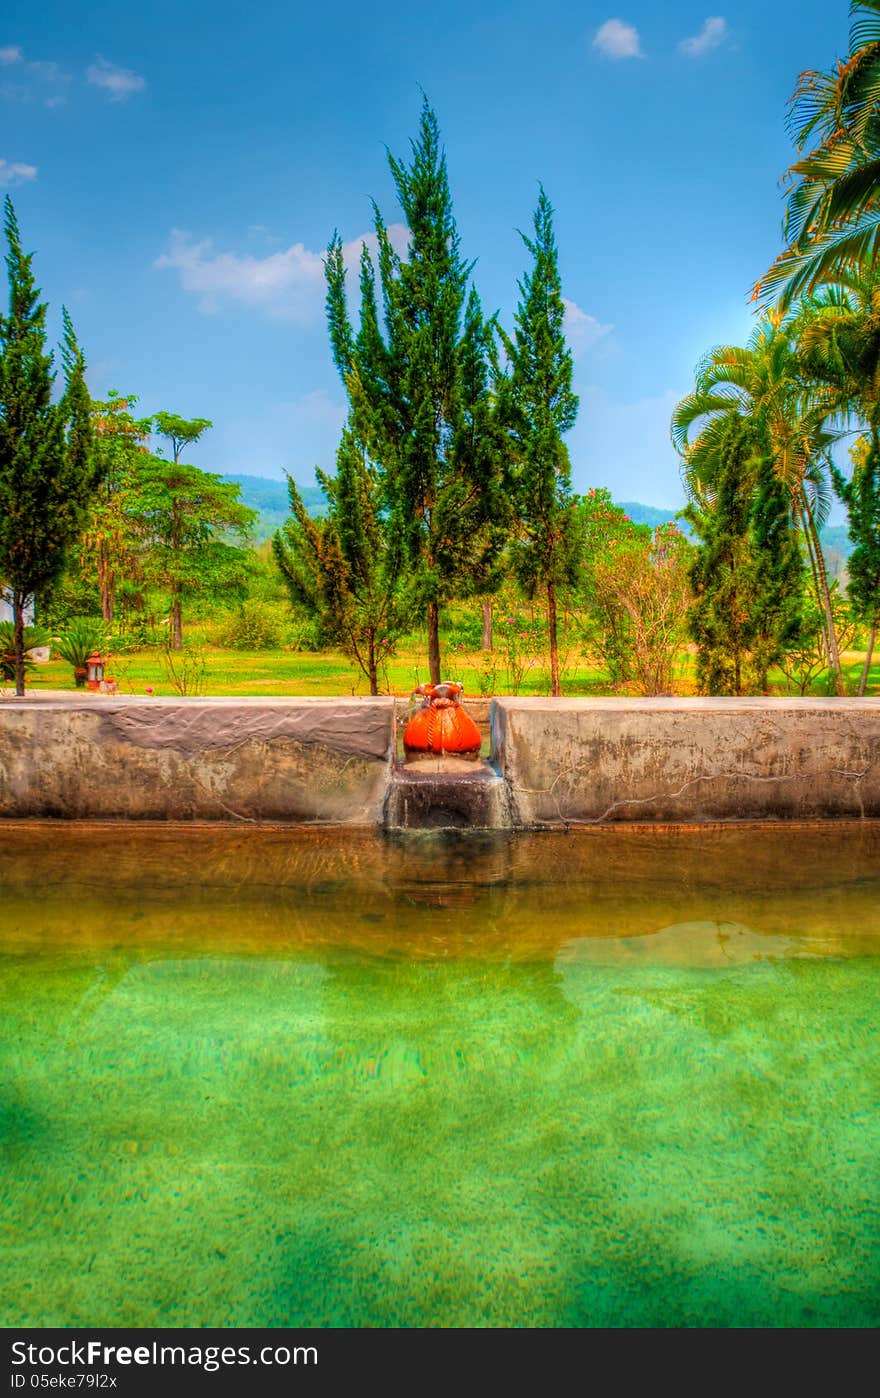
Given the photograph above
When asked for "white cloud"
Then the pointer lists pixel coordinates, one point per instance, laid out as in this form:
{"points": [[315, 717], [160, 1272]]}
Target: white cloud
{"points": [[16, 172], [713, 33], [617, 39], [32, 81], [398, 235], [120, 83], [582, 330], [288, 285]]}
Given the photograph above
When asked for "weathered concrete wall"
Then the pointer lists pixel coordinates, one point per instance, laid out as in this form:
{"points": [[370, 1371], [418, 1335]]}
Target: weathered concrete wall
{"points": [[590, 761], [324, 761], [330, 761]]}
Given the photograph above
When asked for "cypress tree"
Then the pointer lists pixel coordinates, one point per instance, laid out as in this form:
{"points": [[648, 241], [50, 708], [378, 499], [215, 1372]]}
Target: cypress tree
{"points": [[778, 568], [345, 569], [539, 407], [48, 471], [722, 574], [419, 389], [861, 495], [748, 571]]}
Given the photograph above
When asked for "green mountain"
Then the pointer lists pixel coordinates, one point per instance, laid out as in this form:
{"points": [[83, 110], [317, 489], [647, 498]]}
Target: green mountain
{"points": [[834, 537], [269, 498], [649, 514]]}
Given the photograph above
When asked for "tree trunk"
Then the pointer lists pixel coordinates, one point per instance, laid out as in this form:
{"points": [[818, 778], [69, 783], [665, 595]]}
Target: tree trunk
{"points": [[434, 642], [825, 595], [554, 645], [372, 668], [872, 636], [176, 545], [18, 625], [176, 622], [106, 584], [818, 593], [487, 623]]}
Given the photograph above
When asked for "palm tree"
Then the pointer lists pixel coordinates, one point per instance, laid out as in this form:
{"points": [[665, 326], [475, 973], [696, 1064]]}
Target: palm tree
{"points": [[832, 222], [838, 336], [764, 383]]}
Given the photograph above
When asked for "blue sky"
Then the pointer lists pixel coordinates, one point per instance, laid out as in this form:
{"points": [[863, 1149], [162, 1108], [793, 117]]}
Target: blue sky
{"points": [[178, 170]]}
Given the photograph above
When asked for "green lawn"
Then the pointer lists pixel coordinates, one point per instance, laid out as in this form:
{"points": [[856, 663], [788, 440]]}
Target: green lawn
{"points": [[280, 672]]}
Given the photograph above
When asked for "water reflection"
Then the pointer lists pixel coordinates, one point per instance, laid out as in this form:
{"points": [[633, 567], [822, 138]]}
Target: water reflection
{"points": [[203, 889]]}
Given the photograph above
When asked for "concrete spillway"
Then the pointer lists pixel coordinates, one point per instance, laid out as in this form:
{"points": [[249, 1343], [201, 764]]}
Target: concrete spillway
{"points": [[447, 793]]}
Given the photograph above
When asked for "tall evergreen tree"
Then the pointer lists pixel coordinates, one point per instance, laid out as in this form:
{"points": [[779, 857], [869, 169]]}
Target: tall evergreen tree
{"points": [[747, 574], [419, 389], [48, 471], [722, 575], [538, 408], [345, 569], [861, 495], [764, 383], [778, 567]]}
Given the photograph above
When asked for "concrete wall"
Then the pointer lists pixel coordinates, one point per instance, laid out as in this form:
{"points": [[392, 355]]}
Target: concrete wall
{"points": [[331, 761], [102, 757], [591, 761]]}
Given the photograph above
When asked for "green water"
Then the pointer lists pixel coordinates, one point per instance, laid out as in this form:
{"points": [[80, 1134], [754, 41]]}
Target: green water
{"points": [[620, 1078]]}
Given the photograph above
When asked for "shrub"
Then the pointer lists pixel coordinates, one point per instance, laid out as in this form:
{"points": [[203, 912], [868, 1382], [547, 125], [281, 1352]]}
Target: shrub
{"points": [[185, 670], [34, 636], [76, 644], [256, 625]]}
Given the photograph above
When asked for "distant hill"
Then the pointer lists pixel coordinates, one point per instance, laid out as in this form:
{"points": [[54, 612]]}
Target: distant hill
{"points": [[649, 514], [269, 498], [835, 539]]}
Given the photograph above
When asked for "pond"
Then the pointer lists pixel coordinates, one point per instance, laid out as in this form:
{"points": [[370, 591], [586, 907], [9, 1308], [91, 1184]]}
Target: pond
{"points": [[616, 1078]]}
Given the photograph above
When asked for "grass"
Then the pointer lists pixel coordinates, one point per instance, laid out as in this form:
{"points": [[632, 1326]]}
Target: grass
{"points": [[280, 672], [287, 672]]}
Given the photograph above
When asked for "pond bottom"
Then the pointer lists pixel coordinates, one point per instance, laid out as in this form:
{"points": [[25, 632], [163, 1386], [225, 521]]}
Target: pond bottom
{"points": [[618, 1079]]}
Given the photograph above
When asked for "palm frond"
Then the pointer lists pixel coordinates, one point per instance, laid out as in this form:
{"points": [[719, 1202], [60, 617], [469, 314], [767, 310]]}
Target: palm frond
{"points": [[833, 207], [698, 408], [796, 273], [864, 24], [814, 105]]}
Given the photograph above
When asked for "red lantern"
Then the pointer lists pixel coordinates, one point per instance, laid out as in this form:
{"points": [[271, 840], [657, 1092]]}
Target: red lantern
{"points": [[441, 726], [94, 670]]}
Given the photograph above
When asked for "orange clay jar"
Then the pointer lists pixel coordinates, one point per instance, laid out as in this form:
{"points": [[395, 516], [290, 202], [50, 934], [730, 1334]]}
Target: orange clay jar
{"points": [[441, 728]]}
